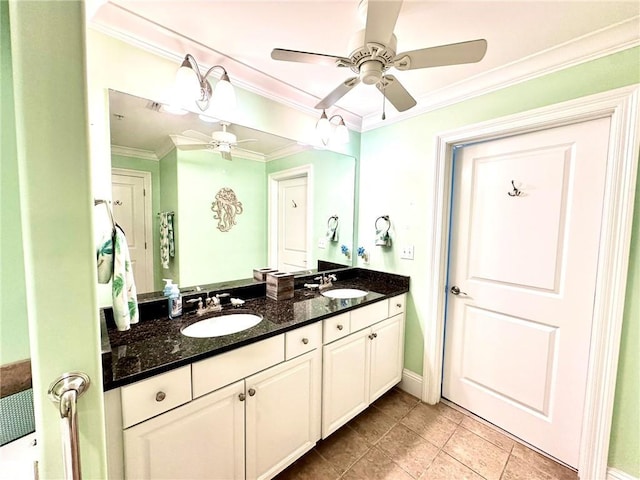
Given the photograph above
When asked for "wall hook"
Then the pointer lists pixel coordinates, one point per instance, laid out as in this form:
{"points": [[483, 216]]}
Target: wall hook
{"points": [[515, 192]]}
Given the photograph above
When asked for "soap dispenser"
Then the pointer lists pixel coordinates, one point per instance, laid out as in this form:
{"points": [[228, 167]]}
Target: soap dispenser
{"points": [[172, 291]]}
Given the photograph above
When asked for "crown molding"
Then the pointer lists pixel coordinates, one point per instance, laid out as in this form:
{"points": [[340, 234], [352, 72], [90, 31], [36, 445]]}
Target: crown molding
{"points": [[598, 44], [171, 45], [134, 152]]}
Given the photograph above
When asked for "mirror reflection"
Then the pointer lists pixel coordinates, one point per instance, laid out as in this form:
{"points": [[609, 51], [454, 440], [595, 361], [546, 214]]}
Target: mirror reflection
{"points": [[229, 198]]}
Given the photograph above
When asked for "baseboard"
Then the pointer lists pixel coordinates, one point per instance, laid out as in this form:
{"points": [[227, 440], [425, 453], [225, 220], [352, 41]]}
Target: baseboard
{"points": [[411, 383], [615, 474]]}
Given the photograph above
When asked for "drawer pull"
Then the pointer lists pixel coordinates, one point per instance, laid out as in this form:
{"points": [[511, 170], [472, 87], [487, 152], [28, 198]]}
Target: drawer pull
{"points": [[252, 392], [160, 396], [305, 340], [242, 396], [399, 305], [373, 335], [339, 327]]}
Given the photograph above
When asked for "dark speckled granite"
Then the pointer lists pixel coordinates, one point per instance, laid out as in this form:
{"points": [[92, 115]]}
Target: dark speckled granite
{"points": [[155, 344]]}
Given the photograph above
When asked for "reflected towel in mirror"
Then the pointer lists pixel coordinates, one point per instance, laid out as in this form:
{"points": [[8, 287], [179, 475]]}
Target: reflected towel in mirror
{"points": [[167, 246]]}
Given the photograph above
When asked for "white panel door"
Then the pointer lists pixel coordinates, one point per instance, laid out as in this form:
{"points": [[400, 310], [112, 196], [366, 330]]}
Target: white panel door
{"points": [[517, 336], [203, 439], [292, 224], [130, 212]]}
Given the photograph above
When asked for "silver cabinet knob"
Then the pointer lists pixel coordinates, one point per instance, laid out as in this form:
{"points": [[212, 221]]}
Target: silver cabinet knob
{"points": [[305, 340], [242, 396], [398, 305], [160, 396], [371, 337], [252, 392], [339, 327], [375, 335]]}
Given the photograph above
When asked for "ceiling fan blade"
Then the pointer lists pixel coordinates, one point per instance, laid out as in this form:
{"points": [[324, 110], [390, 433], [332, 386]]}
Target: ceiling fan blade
{"points": [[339, 92], [381, 20], [396, 93], [309, 57], [452, 54], [197, 135]]}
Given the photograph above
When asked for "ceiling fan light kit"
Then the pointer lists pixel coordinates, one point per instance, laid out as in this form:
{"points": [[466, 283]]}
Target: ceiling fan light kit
{"points": [[192, 86], [221, 141], [373, 53]]}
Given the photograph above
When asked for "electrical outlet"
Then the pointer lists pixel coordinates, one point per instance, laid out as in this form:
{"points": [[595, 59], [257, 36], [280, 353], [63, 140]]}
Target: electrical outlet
{"points": [[407, 252], [322, 243]]}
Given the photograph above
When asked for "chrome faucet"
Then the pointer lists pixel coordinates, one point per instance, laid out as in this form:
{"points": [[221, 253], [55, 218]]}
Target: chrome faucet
{"points": [[326, 280]]}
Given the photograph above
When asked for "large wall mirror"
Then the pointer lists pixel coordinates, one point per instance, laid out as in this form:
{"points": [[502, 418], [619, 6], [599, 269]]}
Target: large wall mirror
{"points": [[262, 201]]}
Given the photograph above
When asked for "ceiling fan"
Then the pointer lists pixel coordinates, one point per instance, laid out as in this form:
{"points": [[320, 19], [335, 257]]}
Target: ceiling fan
{"points": [[373, 53], [221, 141]]}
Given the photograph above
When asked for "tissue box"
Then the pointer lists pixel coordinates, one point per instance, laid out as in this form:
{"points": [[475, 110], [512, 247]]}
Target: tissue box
{"points": [[260, 274], [280, 285]]}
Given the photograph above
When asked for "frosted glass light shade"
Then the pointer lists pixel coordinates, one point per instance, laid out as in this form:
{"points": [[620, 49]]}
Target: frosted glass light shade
{"points": [[224, 97], [341, 135], [187, 85]]}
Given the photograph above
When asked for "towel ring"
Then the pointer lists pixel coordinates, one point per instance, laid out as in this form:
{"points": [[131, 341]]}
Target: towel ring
{"points": [[386, 219], [332, 223]]}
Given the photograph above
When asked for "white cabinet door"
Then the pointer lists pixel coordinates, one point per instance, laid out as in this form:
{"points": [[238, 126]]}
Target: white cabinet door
{"points": [[345, 388], [201, 440], [282, 414], [386, 355]]}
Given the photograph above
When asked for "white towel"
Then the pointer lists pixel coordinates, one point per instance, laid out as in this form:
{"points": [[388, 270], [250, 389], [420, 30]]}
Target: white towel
{"points": [[125, 302], [105, 258]]}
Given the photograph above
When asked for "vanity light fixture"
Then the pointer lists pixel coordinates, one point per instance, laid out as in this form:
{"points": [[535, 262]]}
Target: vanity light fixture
{"points": [[326, 132], [192, 85]]}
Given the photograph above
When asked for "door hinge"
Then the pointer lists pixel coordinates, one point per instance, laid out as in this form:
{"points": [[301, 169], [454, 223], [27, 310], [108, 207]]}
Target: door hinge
{"points": [[144, 192], [145, 245]]}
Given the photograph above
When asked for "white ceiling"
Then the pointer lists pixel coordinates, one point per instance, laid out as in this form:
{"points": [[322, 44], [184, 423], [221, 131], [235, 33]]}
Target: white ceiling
{"points": [[525, 39]]}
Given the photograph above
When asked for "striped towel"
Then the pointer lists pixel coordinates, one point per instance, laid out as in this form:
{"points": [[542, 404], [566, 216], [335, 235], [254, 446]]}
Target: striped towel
{"points": [[167, 246]]}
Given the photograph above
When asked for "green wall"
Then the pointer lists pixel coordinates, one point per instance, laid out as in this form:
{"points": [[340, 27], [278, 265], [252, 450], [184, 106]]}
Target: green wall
{"points": [[333, 194], [207, 254], [14, 332], [624, 451], [169, 203], [153, 167], [410, 144]]}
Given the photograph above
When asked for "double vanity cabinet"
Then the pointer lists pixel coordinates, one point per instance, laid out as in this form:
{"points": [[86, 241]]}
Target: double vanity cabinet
{"points": [[253, 410]]}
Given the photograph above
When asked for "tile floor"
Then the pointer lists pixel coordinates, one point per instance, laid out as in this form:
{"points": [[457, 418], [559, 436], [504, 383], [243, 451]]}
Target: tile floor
{"points": [[400, 438]]}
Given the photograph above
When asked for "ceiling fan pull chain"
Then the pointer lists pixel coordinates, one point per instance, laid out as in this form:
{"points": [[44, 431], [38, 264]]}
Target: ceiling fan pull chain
{"points": [[384, 98]]}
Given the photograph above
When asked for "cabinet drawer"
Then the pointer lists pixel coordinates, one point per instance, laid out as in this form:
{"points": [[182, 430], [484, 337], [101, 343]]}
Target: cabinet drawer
{"points": [[368, 315], [216, 372], [302, 340], [336, 327], [156, 395], [397, 305]]}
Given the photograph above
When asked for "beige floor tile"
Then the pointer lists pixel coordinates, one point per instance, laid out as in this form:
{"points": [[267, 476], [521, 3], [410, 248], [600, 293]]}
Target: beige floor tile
{"points": [[543, 463], [450, 413], [309, 467], [430, 423], [372, 424], [477, 453], [343, 448], [396, 403], [518, 469], [446, 468], [488, 433], [408, 449], [375, 465]]}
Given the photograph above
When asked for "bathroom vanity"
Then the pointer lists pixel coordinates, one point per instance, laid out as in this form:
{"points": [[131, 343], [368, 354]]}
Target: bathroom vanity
{"points": [[248, 404]]}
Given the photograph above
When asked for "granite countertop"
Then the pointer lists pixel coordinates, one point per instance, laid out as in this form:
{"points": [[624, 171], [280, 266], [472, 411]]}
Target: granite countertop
{"points": [[155, 345]]}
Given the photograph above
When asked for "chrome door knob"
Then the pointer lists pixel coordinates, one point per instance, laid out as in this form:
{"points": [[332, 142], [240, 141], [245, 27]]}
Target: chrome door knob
{"points": [[456, 291]]}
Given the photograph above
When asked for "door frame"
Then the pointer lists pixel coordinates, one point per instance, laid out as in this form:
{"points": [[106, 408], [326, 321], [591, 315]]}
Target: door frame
{"points": [[148, 217], [272, 213], [622, 106]]}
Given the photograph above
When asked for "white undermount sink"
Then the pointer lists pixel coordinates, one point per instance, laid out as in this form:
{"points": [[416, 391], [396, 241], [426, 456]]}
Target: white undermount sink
{"points": [[344, 293], [222, 325]]}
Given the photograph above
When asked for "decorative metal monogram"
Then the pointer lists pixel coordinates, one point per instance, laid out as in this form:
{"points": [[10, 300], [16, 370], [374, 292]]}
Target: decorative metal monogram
{"points": [[225, 207]]}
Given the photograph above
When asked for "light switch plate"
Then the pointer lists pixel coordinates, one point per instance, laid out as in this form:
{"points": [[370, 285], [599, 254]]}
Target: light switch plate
{"points": [[407, 252], [322, 243]]}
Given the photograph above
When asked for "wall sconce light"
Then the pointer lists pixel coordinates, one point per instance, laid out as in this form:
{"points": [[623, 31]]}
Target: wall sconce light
{"points": [[327, 133], [191, 86]]}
